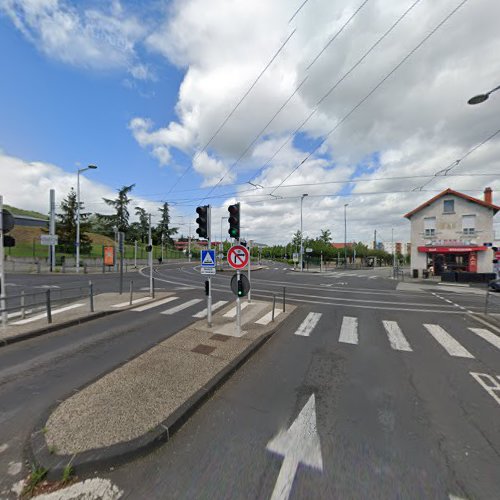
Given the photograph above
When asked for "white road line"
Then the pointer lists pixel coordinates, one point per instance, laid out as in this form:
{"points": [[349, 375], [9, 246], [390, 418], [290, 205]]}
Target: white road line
{"points": [[349, 330], [217, 305], [154, 304], [491, 386], [136, 301], [453, 347], [267, 318], [488, 336], [308, 325], [396, 337], [373, 277], [44, 315], [181, 307], [232, 312]]}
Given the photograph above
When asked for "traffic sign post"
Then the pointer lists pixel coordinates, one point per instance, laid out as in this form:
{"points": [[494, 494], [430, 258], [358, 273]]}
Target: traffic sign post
{"points": [[2, 273]]}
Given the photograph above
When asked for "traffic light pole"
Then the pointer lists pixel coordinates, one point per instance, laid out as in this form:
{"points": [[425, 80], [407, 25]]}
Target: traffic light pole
{"points": [[2, 271], [150, 258]]}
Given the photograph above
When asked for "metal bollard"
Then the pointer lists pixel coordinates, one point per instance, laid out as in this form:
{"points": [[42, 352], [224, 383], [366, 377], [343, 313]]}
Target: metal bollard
{"points": [[49, 310], [91, 296], [131, 291], [486, 302], [85, 271], [274, 305], [23, 310], [284, 299], [153, 288]]}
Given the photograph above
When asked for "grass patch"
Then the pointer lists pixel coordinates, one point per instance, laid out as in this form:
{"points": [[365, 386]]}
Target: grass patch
{"points": [[68, 474], [36, 476]]}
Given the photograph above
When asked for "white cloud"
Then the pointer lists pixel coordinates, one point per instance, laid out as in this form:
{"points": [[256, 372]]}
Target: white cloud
{"points": [[88, 38], [27, 185]]}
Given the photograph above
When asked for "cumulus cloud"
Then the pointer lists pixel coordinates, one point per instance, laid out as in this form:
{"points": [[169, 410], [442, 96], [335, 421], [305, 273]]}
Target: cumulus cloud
{"points": [[27, 185], [415, 123], [88, 38]]}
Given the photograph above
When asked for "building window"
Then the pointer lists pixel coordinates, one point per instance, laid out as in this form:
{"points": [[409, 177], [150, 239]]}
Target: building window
{"points": [[430, 226], [469, 224], [448, 206]]}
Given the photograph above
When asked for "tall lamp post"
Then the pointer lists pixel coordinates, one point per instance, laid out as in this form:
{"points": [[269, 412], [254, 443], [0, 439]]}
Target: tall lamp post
{"points": [[90, 167], [301, 235], [478, 99], [345, 235]]}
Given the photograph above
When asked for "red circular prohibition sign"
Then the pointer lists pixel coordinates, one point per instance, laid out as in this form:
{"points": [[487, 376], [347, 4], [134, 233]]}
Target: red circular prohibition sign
{"points": [[237, 256]]}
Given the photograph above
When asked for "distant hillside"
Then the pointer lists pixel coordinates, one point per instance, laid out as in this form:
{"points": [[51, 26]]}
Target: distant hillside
{"points": [[26, 235], [29, 213]]}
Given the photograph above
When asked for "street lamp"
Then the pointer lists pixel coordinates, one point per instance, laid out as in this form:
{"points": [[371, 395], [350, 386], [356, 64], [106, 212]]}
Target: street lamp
{"points": [[478, 99], [301, 235], [345, 235], [90, 167]]}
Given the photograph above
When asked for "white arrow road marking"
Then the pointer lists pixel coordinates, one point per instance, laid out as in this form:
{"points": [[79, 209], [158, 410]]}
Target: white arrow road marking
{"points": [[452, 346], [396, 337], [299, 444], [91, 489], [307, 326], [349, 330]]}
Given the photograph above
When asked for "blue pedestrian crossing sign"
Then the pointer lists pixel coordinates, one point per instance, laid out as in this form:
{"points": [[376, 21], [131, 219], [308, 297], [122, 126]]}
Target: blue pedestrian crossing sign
{"points": [[208, 258]]}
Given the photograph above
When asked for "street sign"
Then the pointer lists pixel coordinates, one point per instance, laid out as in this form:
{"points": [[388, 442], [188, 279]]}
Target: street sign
{"points": [[7, 221], [207, 258], [309, 250], [48, 239], [245, 283], [295, 257], [237, 257], [208, 270]]}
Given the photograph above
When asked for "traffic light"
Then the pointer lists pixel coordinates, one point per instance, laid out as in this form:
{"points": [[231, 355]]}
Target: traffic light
{"points": [[240, 288], [234, 221], [202, 221]]}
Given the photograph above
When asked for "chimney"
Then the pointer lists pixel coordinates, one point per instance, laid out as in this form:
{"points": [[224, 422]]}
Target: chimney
{"points": [[488, 195]]}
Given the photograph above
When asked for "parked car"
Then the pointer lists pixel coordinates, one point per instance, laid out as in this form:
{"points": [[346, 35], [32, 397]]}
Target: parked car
{"points": [[495, 285]]}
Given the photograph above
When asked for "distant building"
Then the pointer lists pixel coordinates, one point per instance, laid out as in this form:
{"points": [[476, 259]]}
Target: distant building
{"points": [[340, 246], [451, 232]]}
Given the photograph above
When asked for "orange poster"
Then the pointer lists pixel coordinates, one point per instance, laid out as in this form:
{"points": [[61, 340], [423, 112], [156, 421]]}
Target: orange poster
{"points": [[109, 256]]}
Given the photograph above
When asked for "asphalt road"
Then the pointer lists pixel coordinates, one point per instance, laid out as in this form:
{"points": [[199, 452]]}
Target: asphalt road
{"points": [[365, 392]]}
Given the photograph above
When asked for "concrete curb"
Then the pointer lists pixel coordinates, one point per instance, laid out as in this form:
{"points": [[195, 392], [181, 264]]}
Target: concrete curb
{"points": [[88, 462], [60, 326]]}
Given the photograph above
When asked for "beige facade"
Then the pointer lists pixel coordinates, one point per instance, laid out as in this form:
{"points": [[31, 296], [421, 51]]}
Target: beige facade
{"points": [[454, 227]]}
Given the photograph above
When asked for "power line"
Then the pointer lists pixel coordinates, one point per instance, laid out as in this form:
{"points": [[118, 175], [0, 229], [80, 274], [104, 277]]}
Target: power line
{"points": [[297, 11], [231, 113], [362, 101], [444, 172], [336, 84]]}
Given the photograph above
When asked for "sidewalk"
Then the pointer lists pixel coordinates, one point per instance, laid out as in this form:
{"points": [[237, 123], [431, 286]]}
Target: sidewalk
{"points": [[138, 406], [73, 313]]}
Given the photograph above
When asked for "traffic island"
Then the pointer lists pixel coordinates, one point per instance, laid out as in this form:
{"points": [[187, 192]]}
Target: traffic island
{"points": [[139, 405]]}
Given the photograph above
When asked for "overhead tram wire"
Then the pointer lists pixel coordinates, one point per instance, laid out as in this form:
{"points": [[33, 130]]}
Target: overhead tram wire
{"points": [[233, 110], [444, 172], [336, 84], [360, 103], [297, 11], [339, 31], [337, 34]]}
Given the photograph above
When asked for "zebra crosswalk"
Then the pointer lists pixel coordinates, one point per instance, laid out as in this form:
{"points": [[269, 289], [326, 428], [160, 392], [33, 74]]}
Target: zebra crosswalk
{"points": [[349, 334]]}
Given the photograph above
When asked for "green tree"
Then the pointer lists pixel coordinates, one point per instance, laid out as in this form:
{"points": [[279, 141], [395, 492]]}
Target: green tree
{"points": [[142, 227], [163, 230], [120, 204], [325, 236], [296, 240], [66, 226]]}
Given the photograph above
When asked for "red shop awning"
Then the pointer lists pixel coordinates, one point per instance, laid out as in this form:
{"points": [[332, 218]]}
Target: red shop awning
{"points": [[450, 249]]}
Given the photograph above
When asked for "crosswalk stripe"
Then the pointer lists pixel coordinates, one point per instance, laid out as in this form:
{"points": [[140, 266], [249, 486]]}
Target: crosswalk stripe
{"points": [[453, 347], [135, 301], [488, 336], [267, 318], [181, 307], [349, 330], [307, 326], [373, 277], [232, 312], [203, 314], [154, 304], [44, 315], [396, 337]]}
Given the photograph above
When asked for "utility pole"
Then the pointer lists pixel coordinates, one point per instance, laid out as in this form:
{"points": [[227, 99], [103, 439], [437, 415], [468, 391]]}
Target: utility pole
{"points": [[189, 243], [301, 235], [150, 258], [375, 240], [345, 235], [2, 270], [393, 252], [52, 229]]}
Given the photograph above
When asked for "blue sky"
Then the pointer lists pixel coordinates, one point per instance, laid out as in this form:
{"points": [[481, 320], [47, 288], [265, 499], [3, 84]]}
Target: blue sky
{"points": [[139, 88]]}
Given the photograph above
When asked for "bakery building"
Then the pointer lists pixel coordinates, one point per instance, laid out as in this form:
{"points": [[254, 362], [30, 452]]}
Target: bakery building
{"points": [[452, 232]]}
